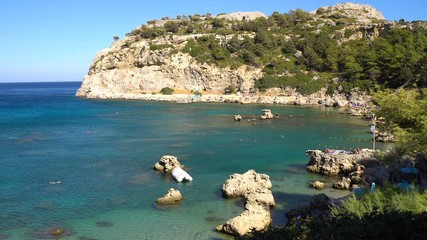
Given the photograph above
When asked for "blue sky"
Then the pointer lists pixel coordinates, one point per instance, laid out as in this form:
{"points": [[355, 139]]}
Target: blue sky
{"points": [[55, 40]]}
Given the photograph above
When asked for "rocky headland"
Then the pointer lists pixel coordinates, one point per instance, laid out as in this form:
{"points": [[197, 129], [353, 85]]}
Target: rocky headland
{"points": [[140, 66]]}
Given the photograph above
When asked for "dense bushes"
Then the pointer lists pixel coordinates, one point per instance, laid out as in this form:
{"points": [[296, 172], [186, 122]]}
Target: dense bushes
{"points": [[405, 114], [381, 214], [398, 59]]}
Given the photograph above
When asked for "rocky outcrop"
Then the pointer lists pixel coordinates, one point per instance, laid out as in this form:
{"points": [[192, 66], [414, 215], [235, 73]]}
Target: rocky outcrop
{"points": [[266, 114], [239, 16], [130, 68], [237, 117], [319, 206], [334, 162], [167, 163], [317, 184], [384, 137], [361, 12], [239, 185], [138, 68], [172, 197], [255, 188]]}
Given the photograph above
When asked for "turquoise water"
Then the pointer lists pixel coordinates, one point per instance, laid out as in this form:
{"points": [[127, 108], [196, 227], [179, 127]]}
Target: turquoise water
{"points": [[102, 151]]}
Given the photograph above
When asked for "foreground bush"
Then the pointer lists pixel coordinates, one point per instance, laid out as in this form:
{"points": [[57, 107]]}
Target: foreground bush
{"points": [[382, 214]]}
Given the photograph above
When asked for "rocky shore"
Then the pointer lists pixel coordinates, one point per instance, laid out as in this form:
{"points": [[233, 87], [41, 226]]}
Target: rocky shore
{"points": [[358, 102]]}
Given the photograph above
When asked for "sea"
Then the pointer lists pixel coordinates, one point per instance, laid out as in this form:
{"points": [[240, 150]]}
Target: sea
{"points": [[86, 165]]}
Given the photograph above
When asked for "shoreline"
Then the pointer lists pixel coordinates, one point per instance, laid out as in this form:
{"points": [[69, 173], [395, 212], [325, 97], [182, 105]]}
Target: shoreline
{"points": [[354, 106], [295, 99]]}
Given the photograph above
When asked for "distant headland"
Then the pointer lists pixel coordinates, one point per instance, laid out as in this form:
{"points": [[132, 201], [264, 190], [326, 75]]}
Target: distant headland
{"points": [[333, 56]]}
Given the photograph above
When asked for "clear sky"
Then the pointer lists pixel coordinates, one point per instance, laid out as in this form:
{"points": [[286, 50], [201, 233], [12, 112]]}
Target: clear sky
{"points": [[55, 40]]}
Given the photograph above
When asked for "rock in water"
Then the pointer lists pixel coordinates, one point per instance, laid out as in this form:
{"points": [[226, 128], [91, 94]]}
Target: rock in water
{"points": [[167, 163], [238, 185], [317, 184], [255, 188], [267, 114], [173, 196]]}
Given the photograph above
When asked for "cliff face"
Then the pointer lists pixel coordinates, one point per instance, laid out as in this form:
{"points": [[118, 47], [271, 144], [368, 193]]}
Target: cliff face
{"points": [[130, 66], [134, 65]]}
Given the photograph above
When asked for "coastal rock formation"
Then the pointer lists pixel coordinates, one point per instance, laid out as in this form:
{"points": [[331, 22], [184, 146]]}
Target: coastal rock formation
{"points": [[173, 196], [267, 114], [139, 66], [317, 184], [167, 163], [130, 68], [384, 137], [344, 183], [255, 188], [254, 218], [239, 185], [334, 162], [319, 206]]}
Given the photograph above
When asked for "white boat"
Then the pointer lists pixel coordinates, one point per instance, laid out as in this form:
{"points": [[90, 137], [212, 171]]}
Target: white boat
{"points": [[179, 174]]}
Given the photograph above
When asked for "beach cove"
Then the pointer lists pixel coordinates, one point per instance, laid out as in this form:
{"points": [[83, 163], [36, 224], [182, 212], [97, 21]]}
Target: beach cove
{"points": [[102, 153]]}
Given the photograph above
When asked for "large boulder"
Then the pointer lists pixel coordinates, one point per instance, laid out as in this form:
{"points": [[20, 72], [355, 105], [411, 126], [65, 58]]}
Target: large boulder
{"points": [[344, 183], [167, 163], [267, 114], [334, 162], [173, 196], [320, 202], [255, 188], [316, 184], [238, 185], [254, 218]]}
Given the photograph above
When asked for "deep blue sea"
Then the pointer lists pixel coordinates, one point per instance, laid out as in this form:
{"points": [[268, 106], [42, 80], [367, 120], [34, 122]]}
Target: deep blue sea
{"points": [[102, 152]]}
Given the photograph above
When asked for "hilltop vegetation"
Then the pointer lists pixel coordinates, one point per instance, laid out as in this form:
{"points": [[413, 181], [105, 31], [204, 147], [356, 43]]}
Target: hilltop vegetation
{"points": [[305, 51]]}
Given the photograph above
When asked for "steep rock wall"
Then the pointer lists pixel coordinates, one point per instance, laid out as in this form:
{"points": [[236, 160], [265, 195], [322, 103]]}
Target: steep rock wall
{"points": [[130, 66]]}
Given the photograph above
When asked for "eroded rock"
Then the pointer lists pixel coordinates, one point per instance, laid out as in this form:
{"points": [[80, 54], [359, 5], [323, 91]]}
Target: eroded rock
{"points": [[255, 188], [167, 163], [317, 184], [172, 197]]}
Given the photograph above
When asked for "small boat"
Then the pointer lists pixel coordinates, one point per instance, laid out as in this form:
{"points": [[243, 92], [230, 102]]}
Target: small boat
{"points": [[180, 175]]}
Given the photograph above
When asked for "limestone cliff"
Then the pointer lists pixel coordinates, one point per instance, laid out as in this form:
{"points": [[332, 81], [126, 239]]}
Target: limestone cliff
{"points": [[141, 65], [130, 66]]}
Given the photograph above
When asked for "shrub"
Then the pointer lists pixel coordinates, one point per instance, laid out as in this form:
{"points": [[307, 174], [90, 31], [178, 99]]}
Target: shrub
{"points": [[230, 89], [197, 93], [160, 46], [167, 91]]}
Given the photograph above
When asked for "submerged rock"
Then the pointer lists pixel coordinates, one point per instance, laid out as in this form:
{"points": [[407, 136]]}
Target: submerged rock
{"points": [[172, 197]]}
